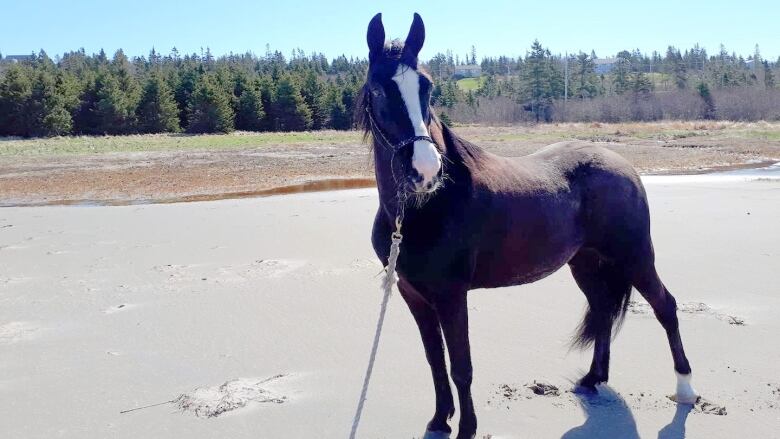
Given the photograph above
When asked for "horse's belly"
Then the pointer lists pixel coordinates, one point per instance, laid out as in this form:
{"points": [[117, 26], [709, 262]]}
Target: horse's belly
{"points": [[501, 269], [529, 250]]}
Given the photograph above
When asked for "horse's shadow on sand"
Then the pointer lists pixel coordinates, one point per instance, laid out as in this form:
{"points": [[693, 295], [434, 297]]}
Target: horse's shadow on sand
{"points": [[608, 416]]}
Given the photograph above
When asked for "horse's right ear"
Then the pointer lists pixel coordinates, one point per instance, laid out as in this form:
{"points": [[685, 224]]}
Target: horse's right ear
{"points": [[375, 36]]}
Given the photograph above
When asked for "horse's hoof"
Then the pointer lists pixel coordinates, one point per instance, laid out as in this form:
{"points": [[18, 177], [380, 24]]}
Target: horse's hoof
{"points": [[582, 389], [685, 393], [436, 435], [588, 384]]}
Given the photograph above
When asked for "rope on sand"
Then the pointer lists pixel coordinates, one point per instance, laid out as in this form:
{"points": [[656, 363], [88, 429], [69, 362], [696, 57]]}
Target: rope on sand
{"points": [[387, 287]]}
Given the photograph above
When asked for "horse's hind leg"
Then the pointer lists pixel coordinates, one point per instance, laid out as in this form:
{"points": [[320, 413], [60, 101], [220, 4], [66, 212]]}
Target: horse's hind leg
{"points": [[607, 288], [648, 283], [430, 331]]}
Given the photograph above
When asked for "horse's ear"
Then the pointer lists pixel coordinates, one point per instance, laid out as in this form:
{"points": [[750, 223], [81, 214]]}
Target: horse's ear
{"points": [[415, 39], [375, 36]]}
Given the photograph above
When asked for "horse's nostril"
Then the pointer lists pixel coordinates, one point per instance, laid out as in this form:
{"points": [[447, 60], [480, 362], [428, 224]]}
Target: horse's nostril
{"points": [[415, 177]]}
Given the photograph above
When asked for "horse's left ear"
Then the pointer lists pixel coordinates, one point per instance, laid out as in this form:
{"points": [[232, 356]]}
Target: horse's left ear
{"points": [[375, 36], [415, 39]]}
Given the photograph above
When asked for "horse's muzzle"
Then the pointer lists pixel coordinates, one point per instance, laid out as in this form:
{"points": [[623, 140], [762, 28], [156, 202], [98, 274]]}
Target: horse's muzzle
{"points": [[415, 183]]}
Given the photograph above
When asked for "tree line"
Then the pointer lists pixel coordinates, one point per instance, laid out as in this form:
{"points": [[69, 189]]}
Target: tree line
{"points": [[199, 93], [195, 93], [539, 85]]}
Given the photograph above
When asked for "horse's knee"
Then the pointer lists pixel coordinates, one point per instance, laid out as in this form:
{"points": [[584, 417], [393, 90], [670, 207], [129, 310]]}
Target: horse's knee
{"points": [[462, 378], [665, 309]]}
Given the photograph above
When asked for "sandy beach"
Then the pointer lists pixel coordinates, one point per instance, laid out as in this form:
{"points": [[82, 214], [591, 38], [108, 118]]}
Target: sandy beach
{"points": [[254, 318]]}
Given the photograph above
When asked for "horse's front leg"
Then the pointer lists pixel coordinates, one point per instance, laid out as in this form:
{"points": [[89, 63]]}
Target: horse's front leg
{"points": [[430, 331], [453, 315]]}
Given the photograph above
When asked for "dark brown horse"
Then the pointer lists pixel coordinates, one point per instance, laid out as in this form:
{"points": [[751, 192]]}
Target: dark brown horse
{"points": [[476, 220]]}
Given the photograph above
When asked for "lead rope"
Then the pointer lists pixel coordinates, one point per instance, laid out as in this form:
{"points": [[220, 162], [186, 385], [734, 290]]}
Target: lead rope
{"points": [[387, 287]]}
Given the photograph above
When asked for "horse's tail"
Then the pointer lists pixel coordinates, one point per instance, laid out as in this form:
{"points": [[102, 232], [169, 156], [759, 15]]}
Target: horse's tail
{"points": [[606, 307]]}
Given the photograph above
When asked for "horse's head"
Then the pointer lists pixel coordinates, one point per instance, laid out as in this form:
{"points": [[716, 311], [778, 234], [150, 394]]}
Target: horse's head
{"points": [[396, 109]]}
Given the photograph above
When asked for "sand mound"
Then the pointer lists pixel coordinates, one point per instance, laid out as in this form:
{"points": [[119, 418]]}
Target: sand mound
{"points": [[210, 402], [694, 308]]}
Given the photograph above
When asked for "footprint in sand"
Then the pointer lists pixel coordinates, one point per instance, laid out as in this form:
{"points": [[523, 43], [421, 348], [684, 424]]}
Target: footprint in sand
{"points": [[177, 273], [356, 265], [693, 308], [506, 393], [259, 269], [706, 407], [5, 281], [118, 308], [210, 402], [15, 332]]}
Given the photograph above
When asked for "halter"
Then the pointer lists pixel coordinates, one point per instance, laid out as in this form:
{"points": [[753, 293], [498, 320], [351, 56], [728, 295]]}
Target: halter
{"points": [[397, 145]]}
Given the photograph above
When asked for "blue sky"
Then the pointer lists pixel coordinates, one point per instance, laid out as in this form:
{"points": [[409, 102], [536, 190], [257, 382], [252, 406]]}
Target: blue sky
{"points": [[495, 27]]}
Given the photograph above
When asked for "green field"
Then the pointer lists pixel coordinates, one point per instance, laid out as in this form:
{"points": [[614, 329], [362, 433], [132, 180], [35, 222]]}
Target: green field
{"points": [[168, 142], [469, 84]]}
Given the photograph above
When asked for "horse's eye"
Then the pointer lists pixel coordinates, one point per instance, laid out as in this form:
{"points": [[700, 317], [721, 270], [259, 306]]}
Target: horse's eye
{"points": [[377, 92]]}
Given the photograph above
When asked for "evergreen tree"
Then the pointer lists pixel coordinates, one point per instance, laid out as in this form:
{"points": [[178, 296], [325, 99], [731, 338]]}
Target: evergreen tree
{"points": [[313, 92], [267, 89], [621, 75], [708, 112], [187, 78], [447, 94], [291, 111], [114, 113], [250, 114], [47, 108], [123, 71], [584, 77], [676, 67], [157, 111], [209, 107], [769, 77], [338, 116], [641, 85], [488, 87], [538, 81], [15, 92]]}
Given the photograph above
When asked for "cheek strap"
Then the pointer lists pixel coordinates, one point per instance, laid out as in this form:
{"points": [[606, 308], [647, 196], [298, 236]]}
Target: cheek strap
{"points": [[395, 146]]}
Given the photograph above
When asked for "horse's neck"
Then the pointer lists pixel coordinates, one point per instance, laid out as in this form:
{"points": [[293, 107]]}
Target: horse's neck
{"points": [[464, 154]]}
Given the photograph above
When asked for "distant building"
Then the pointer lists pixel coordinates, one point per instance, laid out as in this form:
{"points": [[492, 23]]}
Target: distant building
{"points": [[17, 58], [604, 65], [468, 71]]}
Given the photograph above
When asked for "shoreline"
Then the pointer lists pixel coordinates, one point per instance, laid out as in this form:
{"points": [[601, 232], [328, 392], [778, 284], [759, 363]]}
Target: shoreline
{"points": [[323, 184]]}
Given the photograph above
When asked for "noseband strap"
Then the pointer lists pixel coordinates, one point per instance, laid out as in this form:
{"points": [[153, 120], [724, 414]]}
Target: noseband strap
{"points": [[395, 146]]}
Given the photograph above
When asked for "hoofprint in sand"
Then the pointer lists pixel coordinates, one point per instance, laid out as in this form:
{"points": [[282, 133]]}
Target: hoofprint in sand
{"points": [[104, 309]]}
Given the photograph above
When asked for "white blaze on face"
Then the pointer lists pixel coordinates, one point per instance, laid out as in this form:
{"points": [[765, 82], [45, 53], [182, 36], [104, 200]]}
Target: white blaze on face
{"points": [[426, 159]]}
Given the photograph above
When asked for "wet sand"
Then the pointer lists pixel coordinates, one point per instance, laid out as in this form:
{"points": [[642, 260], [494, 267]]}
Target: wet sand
{"points": [[260, 312]]}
